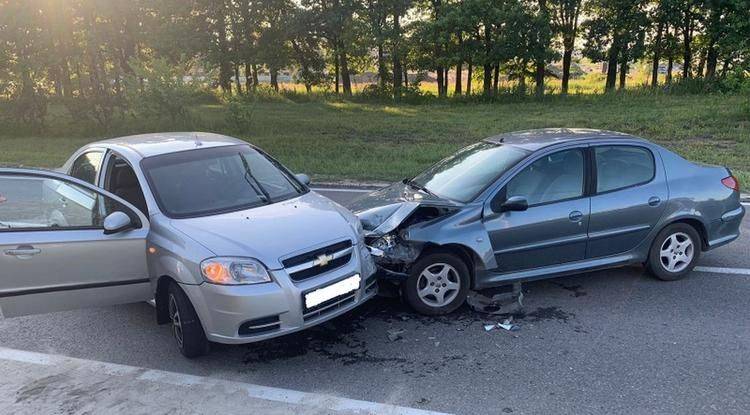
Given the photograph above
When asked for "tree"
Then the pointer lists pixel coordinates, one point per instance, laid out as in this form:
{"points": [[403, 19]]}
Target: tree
{"points": [[565, 16]]}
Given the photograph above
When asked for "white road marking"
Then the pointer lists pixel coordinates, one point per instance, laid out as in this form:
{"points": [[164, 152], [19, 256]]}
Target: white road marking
{"points": [[722, 270], [335, 189], [284, 396]]}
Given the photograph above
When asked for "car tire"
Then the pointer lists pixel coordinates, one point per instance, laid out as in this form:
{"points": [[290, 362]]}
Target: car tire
{"points": [[437, 284], [185, 325], [674, 252]]}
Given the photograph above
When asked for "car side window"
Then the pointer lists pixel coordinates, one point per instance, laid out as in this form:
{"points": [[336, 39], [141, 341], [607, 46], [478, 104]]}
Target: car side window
{"points": [[620, 166], [29, 202], [554, 177], [86, 167]]}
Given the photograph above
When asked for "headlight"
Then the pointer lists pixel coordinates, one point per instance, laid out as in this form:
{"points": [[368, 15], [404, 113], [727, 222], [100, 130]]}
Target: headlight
{"points": [[234, 271]]}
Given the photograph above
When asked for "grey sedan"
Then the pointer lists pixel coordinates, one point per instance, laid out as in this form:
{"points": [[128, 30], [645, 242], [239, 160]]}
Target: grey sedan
{"points": [[543, 203], [231, 245]]}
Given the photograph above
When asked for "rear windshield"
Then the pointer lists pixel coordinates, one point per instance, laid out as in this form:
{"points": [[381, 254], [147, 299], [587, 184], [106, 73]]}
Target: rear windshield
{"points": [[217, 180]]}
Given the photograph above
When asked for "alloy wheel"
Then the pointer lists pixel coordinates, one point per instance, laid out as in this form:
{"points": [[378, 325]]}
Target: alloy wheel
{"points": [[438, 284], [174, 316], [677, 252]]}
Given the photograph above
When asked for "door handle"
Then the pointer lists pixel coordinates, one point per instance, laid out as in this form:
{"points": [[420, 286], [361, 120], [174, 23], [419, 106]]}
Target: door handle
{"points": [[575, 216], [654, 201], [23, 251]]}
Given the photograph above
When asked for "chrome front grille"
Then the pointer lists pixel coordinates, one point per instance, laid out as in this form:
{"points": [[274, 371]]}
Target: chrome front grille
{"points": [[318, 261]]}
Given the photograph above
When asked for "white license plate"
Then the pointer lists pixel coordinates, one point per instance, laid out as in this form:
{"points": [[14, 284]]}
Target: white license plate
{"points": [[324, 294]]}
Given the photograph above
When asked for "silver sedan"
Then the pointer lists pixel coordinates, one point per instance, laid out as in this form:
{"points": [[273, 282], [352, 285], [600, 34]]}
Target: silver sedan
{"points": [[231, 245]]}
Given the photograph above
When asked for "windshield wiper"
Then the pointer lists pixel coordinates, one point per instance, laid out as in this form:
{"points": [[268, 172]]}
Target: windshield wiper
{"points": [[253, 182], [415, 185]]}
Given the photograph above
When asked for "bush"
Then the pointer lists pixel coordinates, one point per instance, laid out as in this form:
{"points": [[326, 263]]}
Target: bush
{"points": [[158, 89]]}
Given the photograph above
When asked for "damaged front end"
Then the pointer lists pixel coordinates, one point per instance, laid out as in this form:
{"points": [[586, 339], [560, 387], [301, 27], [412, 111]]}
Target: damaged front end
{"points": [[388, 233]]}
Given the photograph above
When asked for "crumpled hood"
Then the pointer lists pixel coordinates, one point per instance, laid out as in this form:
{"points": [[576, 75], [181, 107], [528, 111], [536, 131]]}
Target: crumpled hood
{"points": [[383, 210], [270, 232]]}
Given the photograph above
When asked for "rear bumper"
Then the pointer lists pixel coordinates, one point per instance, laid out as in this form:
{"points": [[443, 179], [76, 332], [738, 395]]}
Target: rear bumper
{"points": [[726, 229], [250, 313]]}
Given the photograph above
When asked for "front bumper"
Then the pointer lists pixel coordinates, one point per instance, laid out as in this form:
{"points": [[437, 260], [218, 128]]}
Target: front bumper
{"points": [[249, 313]]}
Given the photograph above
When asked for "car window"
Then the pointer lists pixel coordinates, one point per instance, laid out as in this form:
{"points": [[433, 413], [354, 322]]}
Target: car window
{"points": [[215, 180], [86, 166], [35, 202], [618, 167], [555, 177], [464, 175]]}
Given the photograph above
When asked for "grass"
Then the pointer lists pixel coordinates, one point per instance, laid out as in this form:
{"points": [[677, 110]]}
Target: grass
{"points": [[335, 140]]}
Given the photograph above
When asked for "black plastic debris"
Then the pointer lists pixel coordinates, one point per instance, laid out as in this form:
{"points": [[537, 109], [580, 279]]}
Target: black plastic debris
{"points": [[497, 301]]}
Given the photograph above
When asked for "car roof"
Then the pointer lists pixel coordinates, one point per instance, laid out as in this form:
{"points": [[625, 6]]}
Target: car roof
{"points": [[154, 144], [533, 140]]}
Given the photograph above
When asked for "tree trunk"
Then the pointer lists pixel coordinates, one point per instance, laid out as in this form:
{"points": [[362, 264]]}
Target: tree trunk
{"points": [[687, 38], [255, 76], [539, 79], [382, 70], [337, 70], [670, 66], [397, 69], [567, 60], [406, 77], [248, 78], [346, 80], [657, 55], [623, 74], [274, 79], [487, 86], [711, 60], [237, 79], [440, 73], [495, 79], [469, 74], [457, 91], [614, 52]]}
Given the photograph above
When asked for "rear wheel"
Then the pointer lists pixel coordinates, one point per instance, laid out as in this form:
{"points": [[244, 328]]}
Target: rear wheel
{"points": [[186, 327], [438, 284], [674, 252]]}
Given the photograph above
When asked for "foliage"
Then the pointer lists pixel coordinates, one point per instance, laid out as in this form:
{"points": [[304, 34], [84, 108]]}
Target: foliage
{"points": [[157, 89]]}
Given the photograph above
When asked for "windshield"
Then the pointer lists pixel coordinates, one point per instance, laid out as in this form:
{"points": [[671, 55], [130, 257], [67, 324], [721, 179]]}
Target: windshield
{"points": [[464, 175], [217, 180]]}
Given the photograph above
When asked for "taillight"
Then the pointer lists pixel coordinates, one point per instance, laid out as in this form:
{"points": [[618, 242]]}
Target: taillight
{"points": [[731, 182]]}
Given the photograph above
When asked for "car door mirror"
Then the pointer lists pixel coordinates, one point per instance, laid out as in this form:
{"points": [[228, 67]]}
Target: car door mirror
{"points": [[303, 178], [117, 222], [514, 204]]}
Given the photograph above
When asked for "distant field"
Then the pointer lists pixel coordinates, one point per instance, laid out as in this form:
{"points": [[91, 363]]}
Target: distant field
{"points": [[336, 140]]}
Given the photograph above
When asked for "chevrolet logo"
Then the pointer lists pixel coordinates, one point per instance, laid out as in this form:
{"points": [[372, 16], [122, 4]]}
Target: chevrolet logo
{"points": [[323, 260]]}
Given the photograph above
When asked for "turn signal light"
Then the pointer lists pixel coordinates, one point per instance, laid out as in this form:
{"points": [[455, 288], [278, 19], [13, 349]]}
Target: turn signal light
{"points": [[731, 182], [217, 273]]}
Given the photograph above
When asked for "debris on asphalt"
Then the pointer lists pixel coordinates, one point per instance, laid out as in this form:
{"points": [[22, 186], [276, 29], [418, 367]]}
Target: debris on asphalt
{"points": [[508, 325], [394, 335], [497, 301]]}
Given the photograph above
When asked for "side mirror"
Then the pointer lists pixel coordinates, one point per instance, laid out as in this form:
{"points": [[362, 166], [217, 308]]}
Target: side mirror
{"points": [[514, 203], [302, 177], [117, 222]]}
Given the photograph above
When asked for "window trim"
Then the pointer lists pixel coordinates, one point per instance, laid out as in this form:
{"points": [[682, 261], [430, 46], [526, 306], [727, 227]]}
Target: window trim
{"points": [[584, 187], [595, 171], [137, 223], [99, 168]]}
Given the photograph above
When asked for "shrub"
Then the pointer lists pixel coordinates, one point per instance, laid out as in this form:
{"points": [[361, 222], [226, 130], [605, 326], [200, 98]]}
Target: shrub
{"points": [[159, 89]]}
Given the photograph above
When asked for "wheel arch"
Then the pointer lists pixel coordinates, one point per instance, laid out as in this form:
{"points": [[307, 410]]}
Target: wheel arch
{"points": [[696, 224], [160, 297]]}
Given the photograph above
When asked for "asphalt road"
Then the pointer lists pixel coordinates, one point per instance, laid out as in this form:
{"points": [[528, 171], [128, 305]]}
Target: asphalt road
{"points": [[616, 341]]}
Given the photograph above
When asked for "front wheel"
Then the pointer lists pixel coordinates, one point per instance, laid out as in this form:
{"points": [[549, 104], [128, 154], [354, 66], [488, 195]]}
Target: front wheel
{"points": [[438, 284], [674, 252], [186, 327]]}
